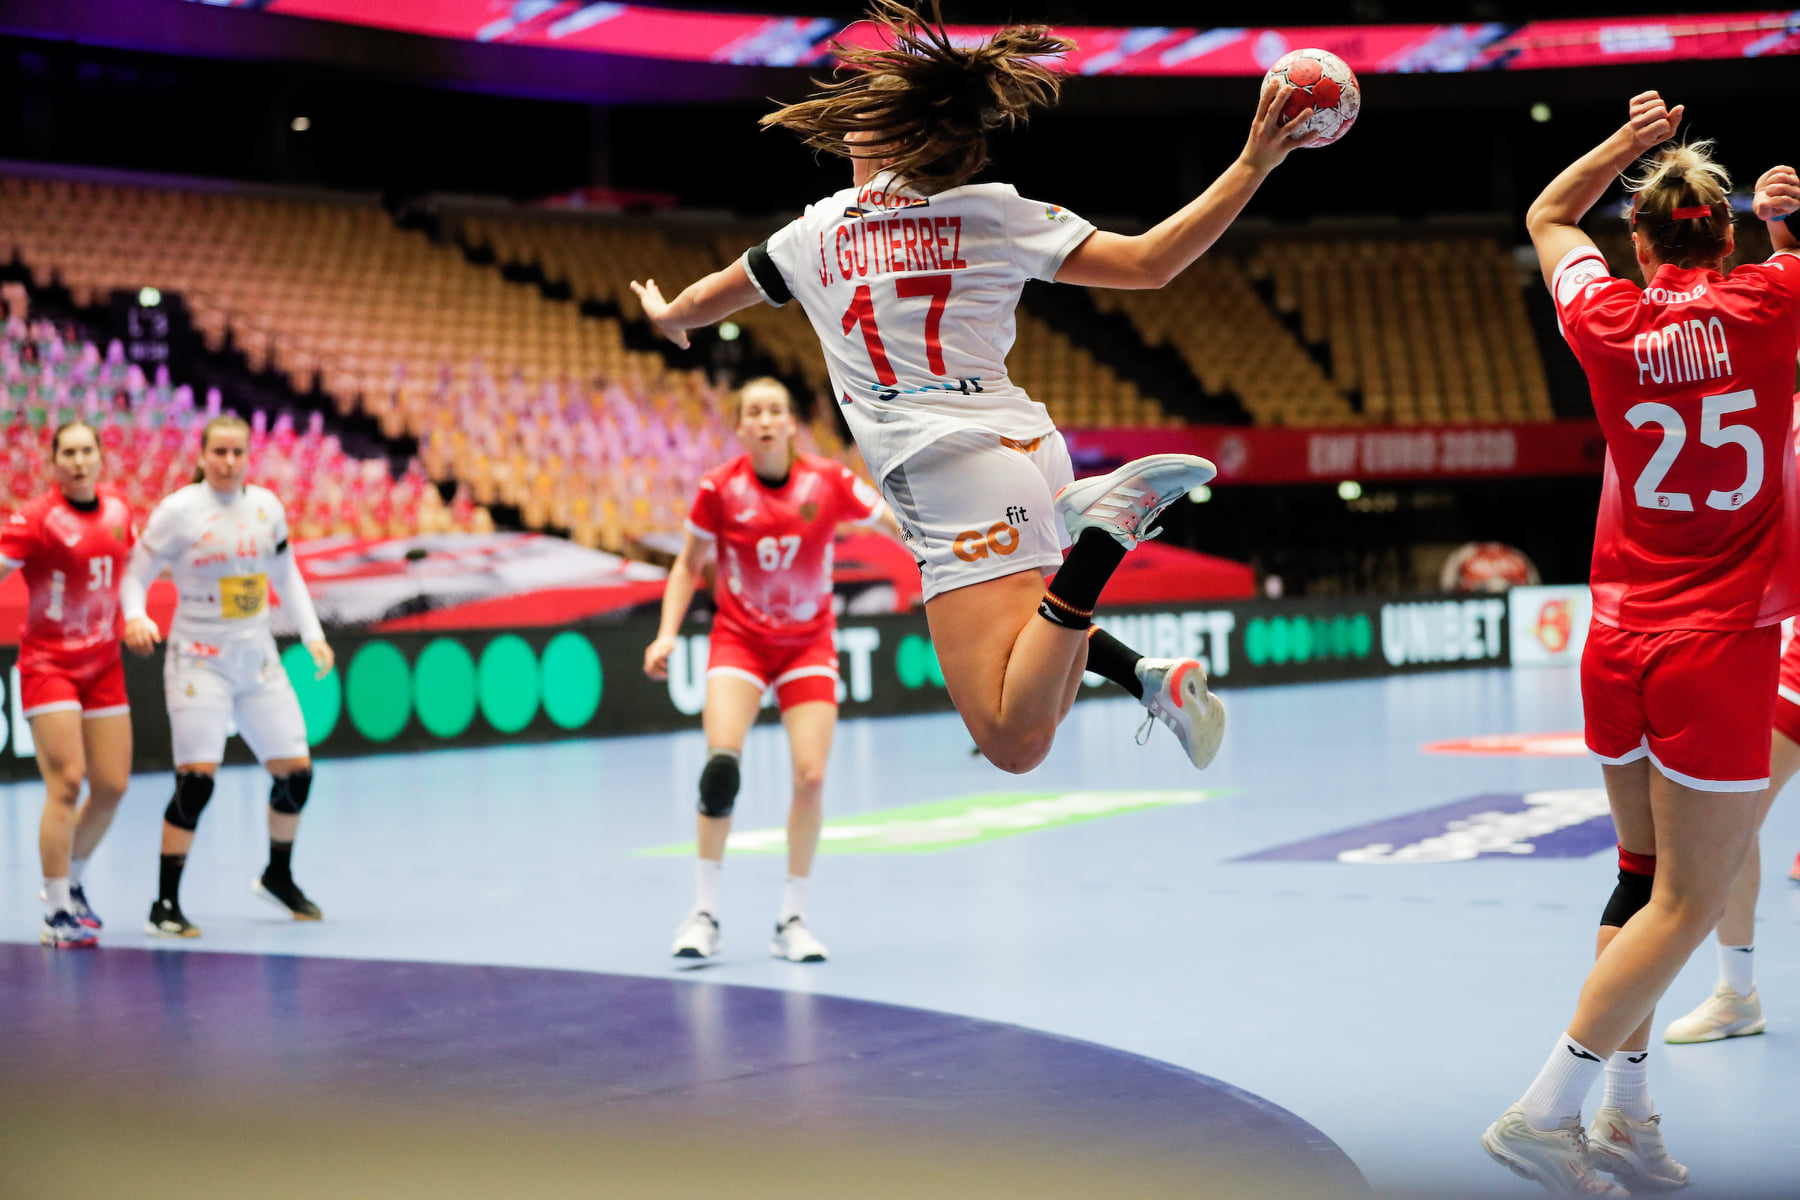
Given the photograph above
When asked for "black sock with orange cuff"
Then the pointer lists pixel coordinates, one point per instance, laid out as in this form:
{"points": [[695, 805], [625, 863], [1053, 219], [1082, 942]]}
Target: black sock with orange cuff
{"points": [[1075, 589], [1112, 659]]}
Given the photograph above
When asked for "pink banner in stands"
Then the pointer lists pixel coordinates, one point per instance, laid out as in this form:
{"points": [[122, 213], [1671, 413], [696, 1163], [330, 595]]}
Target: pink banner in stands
{"points": [[767, 40], [1246, 454]]}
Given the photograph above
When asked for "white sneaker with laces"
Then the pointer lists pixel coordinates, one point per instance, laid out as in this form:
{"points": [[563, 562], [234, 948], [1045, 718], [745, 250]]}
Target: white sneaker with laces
{"points": [[1556, 1160], [1125, 502], [1633, 1153], [795, 942], [1175, 694], [1724, 1014], [698, 937]]}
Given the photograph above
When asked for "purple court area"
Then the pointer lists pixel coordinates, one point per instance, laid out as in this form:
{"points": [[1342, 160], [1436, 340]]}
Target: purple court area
{"points": [[573, 1049]]}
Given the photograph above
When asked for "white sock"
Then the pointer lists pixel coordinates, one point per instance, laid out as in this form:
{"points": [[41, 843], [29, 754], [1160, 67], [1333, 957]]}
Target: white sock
{"points": [[793, 898], [1628, 1084], [77, 867], [1737, 967], [1557, 1092], [706, 885], [56, 895]]}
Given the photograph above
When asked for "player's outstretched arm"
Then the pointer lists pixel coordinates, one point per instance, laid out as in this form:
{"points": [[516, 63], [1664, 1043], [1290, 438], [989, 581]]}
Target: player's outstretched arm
{"points": [[700, 304], [1151, 259], [1554, 218], [1778, 198], [141, 633], [684, 577]]}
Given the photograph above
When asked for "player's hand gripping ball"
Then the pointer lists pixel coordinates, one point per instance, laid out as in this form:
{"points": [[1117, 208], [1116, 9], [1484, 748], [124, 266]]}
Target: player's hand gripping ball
{"points": [[1324, 83]]}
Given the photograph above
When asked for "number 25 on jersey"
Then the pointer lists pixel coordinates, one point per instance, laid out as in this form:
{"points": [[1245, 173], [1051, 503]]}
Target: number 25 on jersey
{"points": [[1713, 432]]}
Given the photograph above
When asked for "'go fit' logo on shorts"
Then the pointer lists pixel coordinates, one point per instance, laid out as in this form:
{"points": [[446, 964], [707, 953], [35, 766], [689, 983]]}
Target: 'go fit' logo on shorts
{"points": [[1001, 538]]}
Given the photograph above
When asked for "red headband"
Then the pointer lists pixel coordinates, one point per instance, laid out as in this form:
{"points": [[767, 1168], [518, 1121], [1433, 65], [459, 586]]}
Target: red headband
{"points": [[1697, 212]]}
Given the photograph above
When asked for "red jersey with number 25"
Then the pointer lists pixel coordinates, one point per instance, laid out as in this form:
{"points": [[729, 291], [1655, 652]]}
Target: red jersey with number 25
{"points": [[1692, 379], [72, 562], [775, 543]]}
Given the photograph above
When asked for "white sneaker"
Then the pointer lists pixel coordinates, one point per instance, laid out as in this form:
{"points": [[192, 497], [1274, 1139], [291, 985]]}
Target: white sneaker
{"points": [[698, 937], [1724, 1014], [795, 942], [1557, 1160], [1127, 500], [1632, 1152], [1175, 694]]}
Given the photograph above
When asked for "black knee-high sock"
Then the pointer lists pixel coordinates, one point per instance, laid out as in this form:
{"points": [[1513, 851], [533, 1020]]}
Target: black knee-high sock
{"points": [[170, 881], [281, 857], [1112, 659], [1075, 589]]}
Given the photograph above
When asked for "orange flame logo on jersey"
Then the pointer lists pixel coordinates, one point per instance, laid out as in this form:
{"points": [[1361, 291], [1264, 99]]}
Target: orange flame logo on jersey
{"points": [[971, 546]]}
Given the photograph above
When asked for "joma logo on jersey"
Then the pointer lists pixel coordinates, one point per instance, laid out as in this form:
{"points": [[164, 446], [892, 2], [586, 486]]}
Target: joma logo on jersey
{"points": [[1001, 538]]}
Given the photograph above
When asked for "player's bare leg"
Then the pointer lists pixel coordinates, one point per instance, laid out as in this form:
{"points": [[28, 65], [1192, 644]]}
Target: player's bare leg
{"points": [[291, 784], [1625, 1137], [810, 727], [1734, 1009], [1007, 670], [731, 707], [107, 743], [1701, 838], [62, 762]]}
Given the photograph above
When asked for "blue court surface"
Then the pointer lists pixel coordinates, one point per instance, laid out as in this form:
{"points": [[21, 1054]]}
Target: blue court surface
{"points": [[1319, 968]]}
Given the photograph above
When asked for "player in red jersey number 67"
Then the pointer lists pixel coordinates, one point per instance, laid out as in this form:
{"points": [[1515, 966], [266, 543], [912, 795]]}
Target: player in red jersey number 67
{"points": [[71, 544], [910, 278], [768, 517], [1695, 566]]}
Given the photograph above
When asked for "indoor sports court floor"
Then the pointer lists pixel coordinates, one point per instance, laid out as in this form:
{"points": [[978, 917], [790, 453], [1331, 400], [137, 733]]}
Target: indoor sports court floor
{"points": [[1330, 959]]}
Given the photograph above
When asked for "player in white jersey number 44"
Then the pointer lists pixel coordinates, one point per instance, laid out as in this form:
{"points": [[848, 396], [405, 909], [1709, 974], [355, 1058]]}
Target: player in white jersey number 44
{"points": [[910, 278]]}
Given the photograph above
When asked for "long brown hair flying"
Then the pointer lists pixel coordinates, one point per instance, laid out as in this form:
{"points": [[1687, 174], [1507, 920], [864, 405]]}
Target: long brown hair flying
{"points": [[927, 103]]}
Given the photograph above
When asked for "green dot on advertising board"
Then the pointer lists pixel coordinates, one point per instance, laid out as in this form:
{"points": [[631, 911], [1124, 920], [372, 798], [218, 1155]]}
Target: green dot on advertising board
{"points": [[444, 688], [1362, 635], [1278, 639], [509, 683], [1340, 636], [1256, 641], [377, 691], [909, 662], [321, 700], [931, 661], [572, 680]]}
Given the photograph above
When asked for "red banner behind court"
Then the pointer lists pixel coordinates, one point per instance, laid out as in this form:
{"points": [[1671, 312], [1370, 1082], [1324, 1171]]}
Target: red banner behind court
{"points": [[1246, 454]]}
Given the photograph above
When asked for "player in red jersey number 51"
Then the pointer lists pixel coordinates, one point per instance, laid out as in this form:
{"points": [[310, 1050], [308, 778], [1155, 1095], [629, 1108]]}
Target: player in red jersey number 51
{"points": [[768, 518], [71, 544], [1695, 560]]}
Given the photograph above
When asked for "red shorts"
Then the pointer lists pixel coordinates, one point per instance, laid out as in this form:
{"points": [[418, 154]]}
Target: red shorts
{"points": [[92, 684], [1699, 704], [1787, 693], [798, 671]]}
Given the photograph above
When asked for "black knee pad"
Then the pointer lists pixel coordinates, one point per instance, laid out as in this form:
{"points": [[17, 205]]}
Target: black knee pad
{"points": [[288, 794], [1637, 877], [719, 784], [192, 791]]}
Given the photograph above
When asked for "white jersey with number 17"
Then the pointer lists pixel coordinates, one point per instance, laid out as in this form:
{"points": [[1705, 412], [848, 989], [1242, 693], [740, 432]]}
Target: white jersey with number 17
{"points": [[913, 299]]}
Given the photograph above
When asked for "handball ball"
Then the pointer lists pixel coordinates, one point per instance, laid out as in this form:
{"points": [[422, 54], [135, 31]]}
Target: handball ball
{"points": [[1323, 82]]}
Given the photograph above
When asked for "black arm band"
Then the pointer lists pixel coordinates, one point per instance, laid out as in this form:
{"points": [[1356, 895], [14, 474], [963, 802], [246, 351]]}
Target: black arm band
{"points": [[768, 279]]}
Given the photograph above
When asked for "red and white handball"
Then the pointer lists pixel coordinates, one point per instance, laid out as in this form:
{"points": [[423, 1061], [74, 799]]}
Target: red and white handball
{"points": [[1324, 83]]}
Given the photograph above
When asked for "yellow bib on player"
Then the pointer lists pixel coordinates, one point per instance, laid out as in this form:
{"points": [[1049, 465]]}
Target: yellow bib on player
{"points": [[243, 596]]}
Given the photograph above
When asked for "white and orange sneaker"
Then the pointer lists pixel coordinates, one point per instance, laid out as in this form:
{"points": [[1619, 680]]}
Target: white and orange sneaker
{"points": [[1127, 501], [1175, 694], [1555, 1159], [1633, 1153]]}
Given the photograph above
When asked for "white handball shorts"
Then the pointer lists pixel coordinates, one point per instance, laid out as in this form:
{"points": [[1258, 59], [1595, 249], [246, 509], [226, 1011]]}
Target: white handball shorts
{"points": [[975, 506], [209, 686]]}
